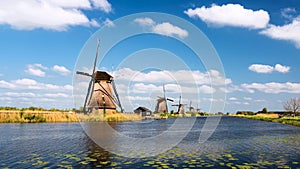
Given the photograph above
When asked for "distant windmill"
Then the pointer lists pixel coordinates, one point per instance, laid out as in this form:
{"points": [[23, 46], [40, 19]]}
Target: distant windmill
{"points": [[162, 105], [102, 92], [191, 109], [198, 109], [180, 107]]}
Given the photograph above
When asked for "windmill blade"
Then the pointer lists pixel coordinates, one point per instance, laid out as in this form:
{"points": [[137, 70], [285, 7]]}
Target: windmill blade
{"points": [[95, 62], [171, 100], [83, 73], [117, 95], [179, 99], [106, 93], [87, 94]]}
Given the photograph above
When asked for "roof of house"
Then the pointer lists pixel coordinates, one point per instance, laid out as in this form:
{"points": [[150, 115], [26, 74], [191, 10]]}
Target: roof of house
{"points": [[142, 109]]}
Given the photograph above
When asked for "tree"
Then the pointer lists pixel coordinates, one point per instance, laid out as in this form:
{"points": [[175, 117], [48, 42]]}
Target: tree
{"points": [[293, 105]]}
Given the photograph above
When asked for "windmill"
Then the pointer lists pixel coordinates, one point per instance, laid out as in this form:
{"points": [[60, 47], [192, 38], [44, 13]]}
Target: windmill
{"points": [[191, 109], [180, 106], [102, 91], [162, 105], [198, 109]]}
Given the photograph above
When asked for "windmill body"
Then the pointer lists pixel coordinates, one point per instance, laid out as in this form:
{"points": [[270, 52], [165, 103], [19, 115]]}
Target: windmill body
{"points": [[161, 105], [103, 91], [180, 107]]}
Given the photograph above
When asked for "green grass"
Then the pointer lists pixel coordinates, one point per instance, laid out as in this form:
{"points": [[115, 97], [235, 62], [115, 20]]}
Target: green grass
{"points": [[295, 121]]}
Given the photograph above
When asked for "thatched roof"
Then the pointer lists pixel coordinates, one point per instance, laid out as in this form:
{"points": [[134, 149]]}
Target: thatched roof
{"points": [[143, 109], [99, 75]]}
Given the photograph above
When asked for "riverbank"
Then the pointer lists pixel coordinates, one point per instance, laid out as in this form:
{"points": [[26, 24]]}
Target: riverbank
{"points": [[295, 121], [58, 116]]}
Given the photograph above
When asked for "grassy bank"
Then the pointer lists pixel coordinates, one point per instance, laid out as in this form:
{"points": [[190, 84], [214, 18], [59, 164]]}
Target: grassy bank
{"points": [[56, 116], [295, 121]]}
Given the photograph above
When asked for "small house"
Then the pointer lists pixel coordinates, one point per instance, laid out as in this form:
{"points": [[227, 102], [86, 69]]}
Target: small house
{"points": [[143, 111]]}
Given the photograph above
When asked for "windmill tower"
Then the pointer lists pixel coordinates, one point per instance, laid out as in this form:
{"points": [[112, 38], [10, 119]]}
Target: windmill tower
{"points": [[180, 107], [198, 109], [102, 92], [191, 109], [162, 105]]}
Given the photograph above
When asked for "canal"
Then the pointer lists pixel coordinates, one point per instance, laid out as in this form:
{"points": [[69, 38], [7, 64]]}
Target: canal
{"points": [[235, 143]]}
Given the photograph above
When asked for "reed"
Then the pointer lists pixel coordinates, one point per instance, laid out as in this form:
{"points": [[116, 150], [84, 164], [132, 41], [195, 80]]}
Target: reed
{"points": [[36, 117], [57, 116], [110, 115]]}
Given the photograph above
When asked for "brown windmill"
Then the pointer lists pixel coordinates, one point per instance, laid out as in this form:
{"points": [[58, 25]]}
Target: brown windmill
{"points": [[180, 107], [161, 105], [102, 92]]}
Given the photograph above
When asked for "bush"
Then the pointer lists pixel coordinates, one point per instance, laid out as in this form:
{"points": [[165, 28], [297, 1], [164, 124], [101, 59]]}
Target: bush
{"points": [[245, 113]]}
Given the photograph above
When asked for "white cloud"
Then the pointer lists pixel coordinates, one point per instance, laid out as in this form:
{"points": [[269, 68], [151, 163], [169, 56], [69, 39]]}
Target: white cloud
{"points": [[104, 5], [94, 23], [85, 4], [55, 95], [48, 14], [289, 32], [232, 98], [25, 82], [231, 15], [231, 88], [21, 94], [144, 21], [30, 84], [6, 85], [109, 23], [273, 87], [164, 28], [38, 65], [212, 100], [144, 88], [247, 98], [170, 88], [36, 70], [168, 29], [61, 70], [236, 102], [211, 77], [138, 98], [259, 68], [205, 89], [282, 69]]}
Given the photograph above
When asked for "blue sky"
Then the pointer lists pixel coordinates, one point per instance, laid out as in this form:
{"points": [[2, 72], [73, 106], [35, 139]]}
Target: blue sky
{"points": [[257, 42]]}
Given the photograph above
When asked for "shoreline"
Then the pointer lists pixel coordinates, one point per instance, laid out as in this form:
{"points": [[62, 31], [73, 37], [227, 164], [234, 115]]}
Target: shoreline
{"points": [[294, 121]]}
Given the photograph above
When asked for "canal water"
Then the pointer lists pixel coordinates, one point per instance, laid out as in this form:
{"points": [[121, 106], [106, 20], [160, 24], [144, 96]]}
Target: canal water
{"points": [[236, 143]]}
